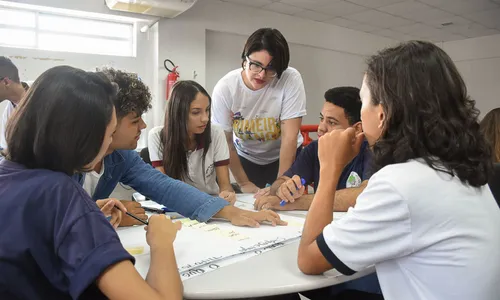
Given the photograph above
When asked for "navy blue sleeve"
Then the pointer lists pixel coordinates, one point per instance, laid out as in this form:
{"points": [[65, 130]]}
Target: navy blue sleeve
{"points": [[90, 246], [174, 194], [304, 163], [367, 164], [84, 241]]}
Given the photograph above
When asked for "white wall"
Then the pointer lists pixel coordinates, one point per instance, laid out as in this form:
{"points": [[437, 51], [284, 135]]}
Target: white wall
{"points": [[478, 60], [191, 41]]}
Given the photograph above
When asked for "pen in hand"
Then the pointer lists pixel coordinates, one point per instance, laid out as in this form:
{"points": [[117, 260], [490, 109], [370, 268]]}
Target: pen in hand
{"points": [[303, 181]]}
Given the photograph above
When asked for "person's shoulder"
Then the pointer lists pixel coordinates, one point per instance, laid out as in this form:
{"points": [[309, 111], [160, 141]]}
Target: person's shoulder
{"points": [[58, 186], [121, 156], [216, 129], [290, 74], [230, 78], [408, 177], [312, 147], [155, 131], [290, 71]]}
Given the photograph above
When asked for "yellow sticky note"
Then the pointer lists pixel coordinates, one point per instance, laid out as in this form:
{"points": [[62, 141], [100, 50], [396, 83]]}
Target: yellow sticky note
{"points": [[135, 250], [211, 227]]}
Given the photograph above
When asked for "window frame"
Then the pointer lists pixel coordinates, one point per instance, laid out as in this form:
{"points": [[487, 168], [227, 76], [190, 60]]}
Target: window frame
{"points": [[132, 26]]}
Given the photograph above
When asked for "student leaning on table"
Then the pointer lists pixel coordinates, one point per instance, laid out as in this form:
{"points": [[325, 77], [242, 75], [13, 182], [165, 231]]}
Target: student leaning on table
{"points": [[188, 147], [122, 164], [56, 243], [427, 219], [260, 107]]}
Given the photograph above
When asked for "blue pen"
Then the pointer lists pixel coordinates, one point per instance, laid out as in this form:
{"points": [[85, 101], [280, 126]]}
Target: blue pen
{"points": [[303, 181]]}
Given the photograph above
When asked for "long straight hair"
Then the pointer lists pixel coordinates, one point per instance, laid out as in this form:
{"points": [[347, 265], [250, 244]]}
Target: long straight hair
{"points": [[174, 139]]}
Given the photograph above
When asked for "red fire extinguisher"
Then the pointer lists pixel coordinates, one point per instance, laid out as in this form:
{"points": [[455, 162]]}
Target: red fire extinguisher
{"points": [[172, 77]]}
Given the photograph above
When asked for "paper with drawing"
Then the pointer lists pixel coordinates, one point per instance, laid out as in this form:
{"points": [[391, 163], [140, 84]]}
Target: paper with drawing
{"points": [[199, 246]]}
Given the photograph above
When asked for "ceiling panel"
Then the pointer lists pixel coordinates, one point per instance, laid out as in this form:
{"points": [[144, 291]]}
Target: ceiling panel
{"points": [[379, 19], [309, 4], [283, 8], [436, 20], [340, 8], [254, 3], [375, 3], [313, 15]]}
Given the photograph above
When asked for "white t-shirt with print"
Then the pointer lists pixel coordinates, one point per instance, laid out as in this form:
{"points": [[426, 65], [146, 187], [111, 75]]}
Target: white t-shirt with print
{"points": [[255, 116], [217, 155], [430, 236], [9, 109], [91, 180]]}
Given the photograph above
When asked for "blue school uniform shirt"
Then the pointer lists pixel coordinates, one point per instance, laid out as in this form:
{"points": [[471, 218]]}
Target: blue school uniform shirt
{"points": [[307, 166], [55, 242]]}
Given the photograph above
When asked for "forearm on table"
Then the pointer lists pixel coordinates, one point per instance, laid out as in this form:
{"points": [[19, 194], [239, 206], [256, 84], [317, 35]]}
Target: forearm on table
{"points": [[227, 212], [163, 275], [301, 203], [276, 185], [344, 199], [288, 150]]}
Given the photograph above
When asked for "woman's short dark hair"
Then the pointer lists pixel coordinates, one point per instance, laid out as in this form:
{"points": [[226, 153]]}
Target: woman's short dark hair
{"points": [[60, 124], [174, 136], [490, 127], [272, 41], [429, 114]]}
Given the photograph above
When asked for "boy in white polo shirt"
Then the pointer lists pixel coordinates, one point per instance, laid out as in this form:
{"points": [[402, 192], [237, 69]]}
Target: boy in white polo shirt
{"points": [[10, 89], [427, 219]]}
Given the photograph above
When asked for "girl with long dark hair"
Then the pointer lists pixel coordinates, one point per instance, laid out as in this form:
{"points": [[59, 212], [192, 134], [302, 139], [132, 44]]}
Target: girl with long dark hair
{"points": [[188, 147]]}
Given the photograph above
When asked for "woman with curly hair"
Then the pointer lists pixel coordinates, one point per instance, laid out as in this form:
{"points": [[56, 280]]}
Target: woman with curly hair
{"points": [[490, 127], [427, 219]]}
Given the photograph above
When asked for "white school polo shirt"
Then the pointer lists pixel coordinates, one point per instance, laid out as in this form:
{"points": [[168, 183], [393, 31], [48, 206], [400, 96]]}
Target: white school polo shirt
{"points": [[9, 109], [255, 117], [217, 155], [92, 180], [430, 236]]}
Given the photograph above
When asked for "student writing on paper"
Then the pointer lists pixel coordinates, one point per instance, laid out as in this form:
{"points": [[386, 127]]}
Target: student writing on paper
{"points": [[427, 219], [11, 89], [341, 110], [122, 164], [260, 107], [490, 127], [189, 147], [56, 242]]}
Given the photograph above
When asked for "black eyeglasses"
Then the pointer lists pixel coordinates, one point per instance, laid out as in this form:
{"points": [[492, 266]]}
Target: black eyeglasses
{"points": [[256, 68]]}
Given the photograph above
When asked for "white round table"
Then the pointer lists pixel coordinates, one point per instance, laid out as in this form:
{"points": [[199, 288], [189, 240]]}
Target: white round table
{"points": [[271, 273]]}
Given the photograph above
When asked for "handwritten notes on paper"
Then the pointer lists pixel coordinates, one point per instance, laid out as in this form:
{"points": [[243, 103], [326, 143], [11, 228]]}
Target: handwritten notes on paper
{"points": [[203, 247]]}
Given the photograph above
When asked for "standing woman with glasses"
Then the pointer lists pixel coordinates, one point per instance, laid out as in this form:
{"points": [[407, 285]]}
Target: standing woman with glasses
{"points": [[260, 107]]}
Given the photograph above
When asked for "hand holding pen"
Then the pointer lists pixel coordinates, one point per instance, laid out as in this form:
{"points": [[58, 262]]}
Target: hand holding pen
{"points": [[291, 189]]}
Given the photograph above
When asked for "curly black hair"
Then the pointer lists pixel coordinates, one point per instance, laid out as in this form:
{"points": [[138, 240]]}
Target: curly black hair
{"points": [[133, 95], [429, 114], [346, 97]]}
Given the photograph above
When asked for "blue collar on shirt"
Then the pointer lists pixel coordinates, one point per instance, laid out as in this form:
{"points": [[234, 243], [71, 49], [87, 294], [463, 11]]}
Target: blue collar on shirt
{"points": [[113, 159]]}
